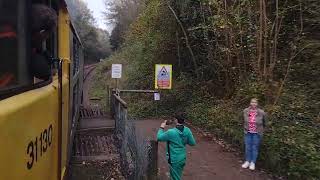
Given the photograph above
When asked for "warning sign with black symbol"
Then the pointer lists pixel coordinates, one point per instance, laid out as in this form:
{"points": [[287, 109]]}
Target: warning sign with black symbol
{"points": [[163, 76]]}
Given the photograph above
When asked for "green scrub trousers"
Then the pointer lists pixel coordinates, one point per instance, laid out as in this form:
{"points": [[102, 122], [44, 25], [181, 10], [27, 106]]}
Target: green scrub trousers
{"points": [[176, 170]]}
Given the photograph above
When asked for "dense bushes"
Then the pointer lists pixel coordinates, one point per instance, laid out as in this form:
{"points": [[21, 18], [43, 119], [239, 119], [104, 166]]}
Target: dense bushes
{"points": [[287, 149], [223, 54]]}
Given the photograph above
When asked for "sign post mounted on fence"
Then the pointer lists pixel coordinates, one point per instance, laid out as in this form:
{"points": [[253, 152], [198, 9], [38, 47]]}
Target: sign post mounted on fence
{"points": [[163, 76], [116, 72], [163, 80]]}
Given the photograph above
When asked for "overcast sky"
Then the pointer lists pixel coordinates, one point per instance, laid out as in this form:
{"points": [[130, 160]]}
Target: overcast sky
{"points": [[97, 7]]}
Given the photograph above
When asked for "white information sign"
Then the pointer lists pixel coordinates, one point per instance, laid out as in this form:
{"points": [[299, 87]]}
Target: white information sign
{"points": [[157, 96], [116, 71]]}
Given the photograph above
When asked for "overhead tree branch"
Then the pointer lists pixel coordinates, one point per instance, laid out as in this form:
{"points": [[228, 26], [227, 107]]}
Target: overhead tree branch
{"points": [[287, 73], [187, 39]]}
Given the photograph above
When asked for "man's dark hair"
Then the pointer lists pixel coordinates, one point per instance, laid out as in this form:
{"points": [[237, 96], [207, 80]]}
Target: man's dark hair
{"points": [[43, 18], [180, 119]]}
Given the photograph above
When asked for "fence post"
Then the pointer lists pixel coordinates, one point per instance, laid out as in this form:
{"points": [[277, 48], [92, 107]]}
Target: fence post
{"points": [[153, 160], [108, 96], [118, 111], [112, 104], [125, 118]]}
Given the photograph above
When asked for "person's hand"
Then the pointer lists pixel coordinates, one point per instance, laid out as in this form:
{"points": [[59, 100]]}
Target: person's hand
{"points": [[164, 124]]}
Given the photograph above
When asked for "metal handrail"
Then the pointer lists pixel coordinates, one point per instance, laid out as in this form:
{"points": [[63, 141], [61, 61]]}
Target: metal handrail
{"points": [[139, 91], [122, 102], [119, 111]]}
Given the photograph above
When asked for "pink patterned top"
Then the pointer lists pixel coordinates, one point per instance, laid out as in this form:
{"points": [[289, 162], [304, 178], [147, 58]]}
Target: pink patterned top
{"points": [[252, 121]]}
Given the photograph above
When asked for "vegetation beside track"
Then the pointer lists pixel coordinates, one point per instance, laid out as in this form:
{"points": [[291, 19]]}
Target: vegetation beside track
{"points": [[223, 55]]}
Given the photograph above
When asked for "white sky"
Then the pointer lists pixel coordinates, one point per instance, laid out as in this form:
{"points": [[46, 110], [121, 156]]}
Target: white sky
{"points": [[97, 7]]}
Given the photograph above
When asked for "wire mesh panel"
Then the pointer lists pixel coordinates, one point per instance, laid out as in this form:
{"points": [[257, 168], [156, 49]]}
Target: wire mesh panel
{"points": [[138, 155]]}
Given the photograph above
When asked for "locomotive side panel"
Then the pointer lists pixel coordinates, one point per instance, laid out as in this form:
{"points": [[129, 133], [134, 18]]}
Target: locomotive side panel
{"points": [[28, 135], [64, 53]]}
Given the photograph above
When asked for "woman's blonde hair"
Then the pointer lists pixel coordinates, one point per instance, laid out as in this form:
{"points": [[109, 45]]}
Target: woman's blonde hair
{"points": [[254, 99]]}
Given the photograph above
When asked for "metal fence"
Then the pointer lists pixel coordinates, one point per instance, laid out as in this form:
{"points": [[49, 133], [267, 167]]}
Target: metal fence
{"points": [[139, 156]]}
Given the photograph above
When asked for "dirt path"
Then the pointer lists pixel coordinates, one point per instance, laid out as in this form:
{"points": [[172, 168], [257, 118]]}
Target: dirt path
{"points": [[206, 161]]}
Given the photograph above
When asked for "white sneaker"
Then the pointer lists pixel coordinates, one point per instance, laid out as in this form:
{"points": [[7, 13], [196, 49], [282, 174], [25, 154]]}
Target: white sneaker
{"points": [[245, 165], [252, 166]]}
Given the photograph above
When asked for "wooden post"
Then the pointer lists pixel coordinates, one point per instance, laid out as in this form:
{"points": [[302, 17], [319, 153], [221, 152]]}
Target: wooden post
{"points": [[108, 98], [116, 83], [156, 109], [112, 106]]}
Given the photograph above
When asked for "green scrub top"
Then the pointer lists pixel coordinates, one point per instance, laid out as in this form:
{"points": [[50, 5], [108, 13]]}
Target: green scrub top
{"points": [[177, 141]]}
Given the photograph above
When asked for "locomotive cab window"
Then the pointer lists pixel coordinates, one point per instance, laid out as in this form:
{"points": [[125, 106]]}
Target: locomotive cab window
{"points": [[44, 40], [28, 44], [14, 71]]}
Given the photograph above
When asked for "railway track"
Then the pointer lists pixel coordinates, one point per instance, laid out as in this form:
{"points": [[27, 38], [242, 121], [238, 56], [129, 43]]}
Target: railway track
{"points": [[87, 70], [95, 155], [95, 112]]}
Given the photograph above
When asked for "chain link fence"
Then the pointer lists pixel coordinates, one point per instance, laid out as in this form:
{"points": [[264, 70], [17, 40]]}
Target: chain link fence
{"points": [[139, 156]]}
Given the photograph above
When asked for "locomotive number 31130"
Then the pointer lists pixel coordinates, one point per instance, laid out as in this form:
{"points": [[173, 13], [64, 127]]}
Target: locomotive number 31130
{"points": [[39, 146]]}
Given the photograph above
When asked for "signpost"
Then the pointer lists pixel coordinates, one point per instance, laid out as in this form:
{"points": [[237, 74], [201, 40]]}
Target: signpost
{"points": [[116, 72], [163, 76], [163, 80]]}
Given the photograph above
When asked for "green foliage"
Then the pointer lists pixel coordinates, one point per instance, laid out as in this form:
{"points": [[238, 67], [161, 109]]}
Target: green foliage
{"points": [[288, 148], [95, 41], [121, 14], [239, 55]]}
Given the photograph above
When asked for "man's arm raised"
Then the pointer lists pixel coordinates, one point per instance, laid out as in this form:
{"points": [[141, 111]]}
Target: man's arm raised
{"points": [[162, 135]]}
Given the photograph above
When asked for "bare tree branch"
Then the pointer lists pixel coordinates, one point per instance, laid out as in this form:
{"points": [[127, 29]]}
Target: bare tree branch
{"points": [[187, 39]]}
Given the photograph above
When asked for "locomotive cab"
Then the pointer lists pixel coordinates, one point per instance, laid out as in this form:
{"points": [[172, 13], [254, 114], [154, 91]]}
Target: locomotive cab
{"points": [[21, 68], [39, 102]]}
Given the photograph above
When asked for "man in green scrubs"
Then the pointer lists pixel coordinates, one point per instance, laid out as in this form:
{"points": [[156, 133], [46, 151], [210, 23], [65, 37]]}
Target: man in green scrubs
{"points": [[176, 139]]}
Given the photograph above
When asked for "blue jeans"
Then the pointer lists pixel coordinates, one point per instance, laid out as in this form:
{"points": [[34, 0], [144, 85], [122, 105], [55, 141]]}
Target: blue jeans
{"points": [[252, 142]]}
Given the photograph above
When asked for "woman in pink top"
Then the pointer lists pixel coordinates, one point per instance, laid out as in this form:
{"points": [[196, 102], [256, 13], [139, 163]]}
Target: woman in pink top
{"points": [[254, 124]]}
